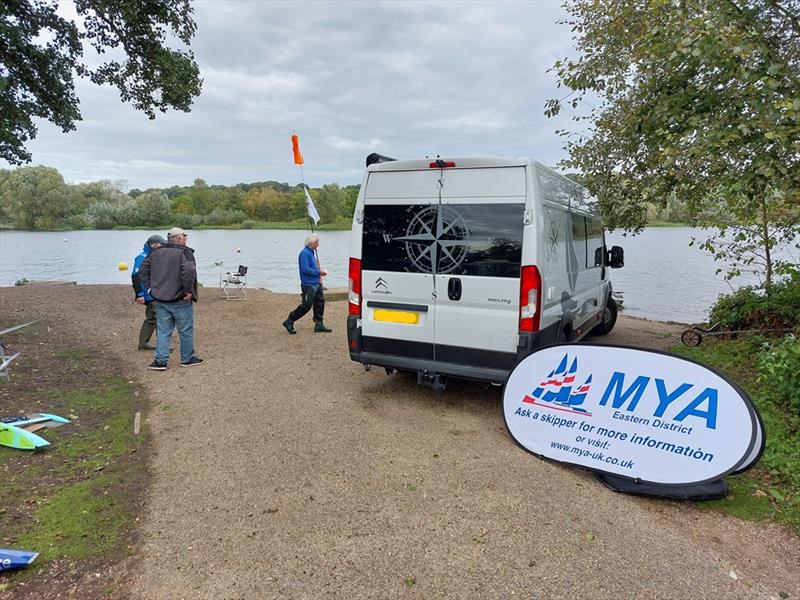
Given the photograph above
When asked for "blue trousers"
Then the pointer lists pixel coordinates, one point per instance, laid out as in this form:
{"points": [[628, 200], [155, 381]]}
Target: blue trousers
{"points": [[174, 315]]}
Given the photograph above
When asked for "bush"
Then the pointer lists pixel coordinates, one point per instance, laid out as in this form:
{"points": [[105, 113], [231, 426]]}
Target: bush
{"points": [[153, 208], [80, 221], [248, 224], [187, 221], [751, 308], [779, 369], [103, 214], [224, 217]]}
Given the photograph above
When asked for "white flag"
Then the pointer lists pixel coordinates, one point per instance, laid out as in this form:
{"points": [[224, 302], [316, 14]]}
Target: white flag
{"points": [[312, 210]]}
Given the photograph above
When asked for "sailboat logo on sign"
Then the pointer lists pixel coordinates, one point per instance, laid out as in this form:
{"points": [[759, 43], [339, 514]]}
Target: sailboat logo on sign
{"points": [[558, 391]]}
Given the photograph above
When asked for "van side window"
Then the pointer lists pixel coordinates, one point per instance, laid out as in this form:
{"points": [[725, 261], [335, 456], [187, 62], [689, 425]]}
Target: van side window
{"points": [[579, 238], [594, 239], [447, 239]]}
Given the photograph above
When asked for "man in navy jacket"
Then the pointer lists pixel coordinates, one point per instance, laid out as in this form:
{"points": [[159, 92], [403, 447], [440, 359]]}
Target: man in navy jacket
{"points": [[311, 294], [143, 296]]}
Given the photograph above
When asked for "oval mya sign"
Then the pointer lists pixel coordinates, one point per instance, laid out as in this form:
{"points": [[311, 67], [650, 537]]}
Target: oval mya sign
{"points": [[638, 413]]}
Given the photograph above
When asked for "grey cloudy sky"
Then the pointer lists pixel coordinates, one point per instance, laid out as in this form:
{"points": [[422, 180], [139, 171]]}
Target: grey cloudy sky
{"points": [[406, 79]]}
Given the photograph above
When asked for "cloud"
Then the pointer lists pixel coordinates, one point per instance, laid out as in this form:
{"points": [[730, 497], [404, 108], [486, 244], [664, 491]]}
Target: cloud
{"points": [[406, 79]]}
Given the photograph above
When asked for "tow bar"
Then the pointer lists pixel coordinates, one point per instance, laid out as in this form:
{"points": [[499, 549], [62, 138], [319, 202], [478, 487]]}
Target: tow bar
{"points": [[437, 381]]}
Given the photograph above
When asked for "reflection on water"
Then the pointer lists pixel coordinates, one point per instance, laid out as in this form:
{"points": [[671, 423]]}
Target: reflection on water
{"points": [[663, 277]]}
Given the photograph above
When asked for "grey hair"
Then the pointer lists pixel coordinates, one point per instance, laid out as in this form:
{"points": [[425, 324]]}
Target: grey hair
{"points": [[311, 238]]}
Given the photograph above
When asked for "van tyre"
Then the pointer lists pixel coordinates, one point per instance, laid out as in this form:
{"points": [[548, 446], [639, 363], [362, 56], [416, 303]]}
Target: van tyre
{"points": [[609, 318]]}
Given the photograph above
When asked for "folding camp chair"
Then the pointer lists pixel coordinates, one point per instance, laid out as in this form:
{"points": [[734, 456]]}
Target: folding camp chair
{"points": [[233, 286]]}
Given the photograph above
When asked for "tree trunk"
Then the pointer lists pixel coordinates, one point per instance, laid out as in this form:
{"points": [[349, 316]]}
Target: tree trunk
{"points": [[767, 255]]}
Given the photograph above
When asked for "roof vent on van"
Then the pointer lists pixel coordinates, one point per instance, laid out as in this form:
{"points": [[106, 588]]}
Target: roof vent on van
{"points": [[378, 158]]}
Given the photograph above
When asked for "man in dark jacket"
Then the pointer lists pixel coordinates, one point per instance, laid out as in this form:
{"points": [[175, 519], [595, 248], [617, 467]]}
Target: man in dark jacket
{"points": [[169, 275], [142, 296]]}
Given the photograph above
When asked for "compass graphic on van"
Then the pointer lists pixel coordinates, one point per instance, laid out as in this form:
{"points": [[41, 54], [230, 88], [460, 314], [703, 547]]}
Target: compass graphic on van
{"points": [[436, 240]]}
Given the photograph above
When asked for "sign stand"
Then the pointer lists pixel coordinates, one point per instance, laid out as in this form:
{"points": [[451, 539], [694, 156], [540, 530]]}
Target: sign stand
{"points": [[710, 490], [644, 422]]}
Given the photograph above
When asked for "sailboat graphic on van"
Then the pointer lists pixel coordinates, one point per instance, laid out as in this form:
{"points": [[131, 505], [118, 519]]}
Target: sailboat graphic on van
{"points": [[558, 391]]}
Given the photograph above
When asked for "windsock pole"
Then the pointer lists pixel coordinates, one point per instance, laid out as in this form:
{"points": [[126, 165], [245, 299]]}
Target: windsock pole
{"points": [[298, 160]]}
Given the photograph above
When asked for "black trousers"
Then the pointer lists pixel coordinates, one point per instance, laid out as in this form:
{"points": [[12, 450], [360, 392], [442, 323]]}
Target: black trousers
{"points": [[148, 325], [310, 297]]}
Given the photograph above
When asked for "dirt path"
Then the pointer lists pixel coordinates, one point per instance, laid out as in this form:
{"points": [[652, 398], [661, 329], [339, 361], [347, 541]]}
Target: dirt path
{"points": [[283, 470]]}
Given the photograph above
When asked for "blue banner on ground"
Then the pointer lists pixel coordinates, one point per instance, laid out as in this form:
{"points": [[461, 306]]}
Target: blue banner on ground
{"points": [[14, 559]]}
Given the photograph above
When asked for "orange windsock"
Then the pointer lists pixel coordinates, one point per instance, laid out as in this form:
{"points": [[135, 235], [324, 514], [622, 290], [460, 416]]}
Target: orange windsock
{"points": [[298, 158]]}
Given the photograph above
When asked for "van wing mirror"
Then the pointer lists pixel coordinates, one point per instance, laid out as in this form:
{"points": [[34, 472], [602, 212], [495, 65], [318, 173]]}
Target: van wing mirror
{"points": [[598, 257], [616, 257]]}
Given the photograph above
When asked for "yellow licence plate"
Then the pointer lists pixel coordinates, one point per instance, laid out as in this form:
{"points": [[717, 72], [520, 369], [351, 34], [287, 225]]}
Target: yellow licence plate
{"points": [[396, 316]]}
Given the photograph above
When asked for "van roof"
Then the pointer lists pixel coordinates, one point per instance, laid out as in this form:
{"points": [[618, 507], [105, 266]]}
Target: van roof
{"points": [[463, 162]]}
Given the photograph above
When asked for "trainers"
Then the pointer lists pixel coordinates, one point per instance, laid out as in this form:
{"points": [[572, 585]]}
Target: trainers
{"points": [[157, 365], [193, 362], [147, 347], [320, 328], [289, 326]]}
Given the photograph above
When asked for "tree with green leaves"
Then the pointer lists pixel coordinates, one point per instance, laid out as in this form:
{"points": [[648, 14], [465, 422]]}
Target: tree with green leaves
{"points": [[34, 197], [41, 53], [697, 100]]}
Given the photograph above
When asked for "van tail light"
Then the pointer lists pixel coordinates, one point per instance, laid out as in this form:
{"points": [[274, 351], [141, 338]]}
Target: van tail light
{"points": [[442, 164], [530, 299], [354, 288]]}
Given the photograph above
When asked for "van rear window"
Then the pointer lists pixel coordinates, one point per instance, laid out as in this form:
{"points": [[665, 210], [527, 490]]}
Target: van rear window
{"points": [[448, 239]]}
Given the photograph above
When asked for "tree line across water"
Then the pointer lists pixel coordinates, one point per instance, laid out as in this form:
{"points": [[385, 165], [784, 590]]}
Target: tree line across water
{"points": [[38, 198]]}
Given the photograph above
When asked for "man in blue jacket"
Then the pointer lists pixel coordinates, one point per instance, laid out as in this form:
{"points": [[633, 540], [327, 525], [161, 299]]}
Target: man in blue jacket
{"points": [[143, 296], [311, 294]]}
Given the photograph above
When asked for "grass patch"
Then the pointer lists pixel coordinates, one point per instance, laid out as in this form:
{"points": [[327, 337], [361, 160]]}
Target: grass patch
{"points": [[82, 520], [771, 489], [77, 500], [73, 354]]}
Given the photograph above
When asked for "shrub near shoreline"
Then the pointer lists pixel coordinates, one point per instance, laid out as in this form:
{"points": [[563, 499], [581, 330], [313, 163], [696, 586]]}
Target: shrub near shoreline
{"points": [[768, 369]]}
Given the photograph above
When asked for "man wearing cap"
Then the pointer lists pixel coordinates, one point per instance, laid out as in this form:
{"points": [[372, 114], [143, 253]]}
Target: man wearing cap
{"points": [[142, 296], [169, 275]]}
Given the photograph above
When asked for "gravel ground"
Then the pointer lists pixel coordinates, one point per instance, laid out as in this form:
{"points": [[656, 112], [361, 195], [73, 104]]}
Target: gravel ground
{"points": [[281, 469]]}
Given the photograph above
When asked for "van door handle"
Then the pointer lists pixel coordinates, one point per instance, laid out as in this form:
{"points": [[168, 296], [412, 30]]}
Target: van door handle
{"points": [[454, 288]]}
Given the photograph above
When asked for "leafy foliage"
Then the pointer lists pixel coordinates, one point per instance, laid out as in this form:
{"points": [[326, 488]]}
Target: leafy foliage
{"points": [[752, 308], [38, 198], [779, 366], [697, 99], [32, 197], [41, 52], [765, 374]]}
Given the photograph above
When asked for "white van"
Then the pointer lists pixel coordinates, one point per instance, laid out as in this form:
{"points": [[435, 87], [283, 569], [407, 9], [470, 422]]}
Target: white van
{"points": [[463, 267]]}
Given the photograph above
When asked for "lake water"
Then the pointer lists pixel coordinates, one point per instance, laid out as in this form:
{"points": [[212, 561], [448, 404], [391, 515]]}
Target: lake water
{"points": [[663, 278]]}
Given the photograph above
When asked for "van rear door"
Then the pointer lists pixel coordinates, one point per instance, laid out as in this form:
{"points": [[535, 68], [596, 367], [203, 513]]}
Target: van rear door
{"points": [[398, 301], [479, 233]]}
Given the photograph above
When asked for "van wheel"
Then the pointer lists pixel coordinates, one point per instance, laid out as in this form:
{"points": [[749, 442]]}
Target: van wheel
{"points": [[609, 319]]}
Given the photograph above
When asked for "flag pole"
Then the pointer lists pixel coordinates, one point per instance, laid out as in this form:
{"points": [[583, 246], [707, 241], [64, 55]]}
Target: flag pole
{"points": [[310, 208]]}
